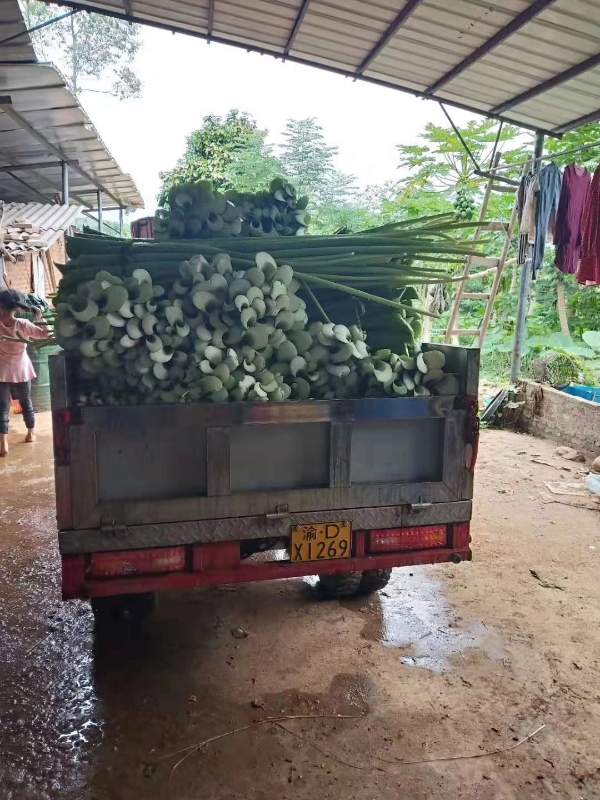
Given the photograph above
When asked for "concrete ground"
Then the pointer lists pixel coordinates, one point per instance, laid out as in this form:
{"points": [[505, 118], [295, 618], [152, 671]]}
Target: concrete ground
{"points": [[425, 691]]}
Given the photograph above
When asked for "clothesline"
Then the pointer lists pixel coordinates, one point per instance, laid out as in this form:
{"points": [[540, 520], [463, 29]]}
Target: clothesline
{"points": [[549, 157], [566, 206]]}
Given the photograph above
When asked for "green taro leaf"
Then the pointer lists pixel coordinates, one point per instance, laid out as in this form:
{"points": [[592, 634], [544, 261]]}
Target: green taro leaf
{"points": [[592, 338]]}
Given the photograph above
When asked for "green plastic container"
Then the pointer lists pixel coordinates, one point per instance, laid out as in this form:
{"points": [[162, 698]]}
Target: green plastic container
{"points": [[40, 386]]}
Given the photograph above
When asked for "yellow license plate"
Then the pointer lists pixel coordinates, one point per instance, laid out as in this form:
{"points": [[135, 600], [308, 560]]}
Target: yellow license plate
{"points": [[321, 542]]}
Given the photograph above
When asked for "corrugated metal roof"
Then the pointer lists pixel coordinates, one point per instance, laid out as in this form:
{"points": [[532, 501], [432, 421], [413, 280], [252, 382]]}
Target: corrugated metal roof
{"points": [[44, 124], [15, 44], [535, 63], [53, 220]]}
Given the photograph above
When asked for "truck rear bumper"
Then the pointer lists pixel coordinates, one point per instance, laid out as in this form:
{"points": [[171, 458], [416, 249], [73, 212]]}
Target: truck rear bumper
{"points": [[194, 566]]}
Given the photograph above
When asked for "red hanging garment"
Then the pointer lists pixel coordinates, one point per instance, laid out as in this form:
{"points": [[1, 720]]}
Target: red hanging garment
{"points": [[589, 270], [567, 229]]}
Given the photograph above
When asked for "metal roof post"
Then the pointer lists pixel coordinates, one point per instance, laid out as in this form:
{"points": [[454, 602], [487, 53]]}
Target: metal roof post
{"points": [[121, 220], [100, 210], [521, 321], [65, 182]]}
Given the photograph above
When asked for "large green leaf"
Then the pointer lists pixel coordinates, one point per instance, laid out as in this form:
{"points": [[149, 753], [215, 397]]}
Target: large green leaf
{"points": [[592, 338], [559, 341], [505, 347], [581, 350]]}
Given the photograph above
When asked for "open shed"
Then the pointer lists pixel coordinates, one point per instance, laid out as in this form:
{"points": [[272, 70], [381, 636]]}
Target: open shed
{"points": [[50, 151], [28, 261]]}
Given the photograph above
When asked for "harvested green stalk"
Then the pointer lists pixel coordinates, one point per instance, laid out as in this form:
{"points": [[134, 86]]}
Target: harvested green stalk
{"points": [[218, 334]]}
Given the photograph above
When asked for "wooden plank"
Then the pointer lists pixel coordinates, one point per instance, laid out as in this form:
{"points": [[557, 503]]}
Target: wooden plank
{"points": [[485, 261], [476, 296], [218, 471], [498, 276], [470, 262], [340, 454], [462, 332], [493, 226], [486, 273]]}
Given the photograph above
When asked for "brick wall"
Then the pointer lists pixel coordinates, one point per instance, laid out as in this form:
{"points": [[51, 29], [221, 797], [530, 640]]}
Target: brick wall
{"points": [[565, 419], [20, 276], [20, 273]]}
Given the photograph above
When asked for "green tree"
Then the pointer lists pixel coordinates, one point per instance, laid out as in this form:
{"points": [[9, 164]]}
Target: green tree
{"points": [[87, 46], [588, 135], [230, 151], [309, 163], [438, 168], [307, 159]]}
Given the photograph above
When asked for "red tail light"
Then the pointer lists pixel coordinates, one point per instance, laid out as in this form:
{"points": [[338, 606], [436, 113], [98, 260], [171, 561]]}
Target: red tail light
{"points": [[137, 562], [396, 539]]}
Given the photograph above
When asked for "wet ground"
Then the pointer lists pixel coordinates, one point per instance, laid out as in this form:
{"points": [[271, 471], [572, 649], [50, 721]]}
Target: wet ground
{"points": [[400, 696]]}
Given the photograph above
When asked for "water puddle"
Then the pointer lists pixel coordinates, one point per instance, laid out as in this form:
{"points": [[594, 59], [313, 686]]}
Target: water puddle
{"points": [[415, 616]]}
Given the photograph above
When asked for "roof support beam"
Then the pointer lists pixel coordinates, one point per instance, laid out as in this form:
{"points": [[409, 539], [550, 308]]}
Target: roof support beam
{"points": [[587, 119], [297, 24], [521, 19], [562, 77], [65, 182], [49, 184], [29, 187], [38, 165], [38, 27], [389, 34], [16, 117], [128, 8], [211, 18]]}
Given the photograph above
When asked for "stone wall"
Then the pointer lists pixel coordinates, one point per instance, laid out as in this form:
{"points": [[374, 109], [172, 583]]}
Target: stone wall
{"points": [[565, 419]]}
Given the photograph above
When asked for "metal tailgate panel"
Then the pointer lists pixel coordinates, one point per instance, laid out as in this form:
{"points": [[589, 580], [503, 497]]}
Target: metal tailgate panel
{"points": [[157, 465]]}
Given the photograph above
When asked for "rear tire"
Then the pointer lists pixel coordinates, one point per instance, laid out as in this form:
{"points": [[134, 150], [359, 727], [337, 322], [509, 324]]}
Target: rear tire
{"points": [[332, 586], [122, 610], [373, 580]]}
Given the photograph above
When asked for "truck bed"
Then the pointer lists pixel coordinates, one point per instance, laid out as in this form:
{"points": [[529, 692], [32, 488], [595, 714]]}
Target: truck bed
{"points": [[182, 476]]}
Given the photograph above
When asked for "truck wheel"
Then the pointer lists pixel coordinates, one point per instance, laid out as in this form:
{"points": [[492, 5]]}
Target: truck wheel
{"points": [[373, 580], [332, 586], [123, 609]]}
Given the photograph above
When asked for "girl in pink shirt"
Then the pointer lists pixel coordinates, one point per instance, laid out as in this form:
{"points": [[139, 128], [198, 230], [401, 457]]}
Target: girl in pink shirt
{"points": [[16, 369]]}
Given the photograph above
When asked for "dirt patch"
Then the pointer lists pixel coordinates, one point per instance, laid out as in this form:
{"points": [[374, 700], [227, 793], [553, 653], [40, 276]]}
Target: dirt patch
{"points": [[447, 661]]}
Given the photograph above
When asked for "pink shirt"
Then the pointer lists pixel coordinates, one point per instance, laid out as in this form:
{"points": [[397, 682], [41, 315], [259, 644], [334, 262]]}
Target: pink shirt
{"points": [[15, 365]]}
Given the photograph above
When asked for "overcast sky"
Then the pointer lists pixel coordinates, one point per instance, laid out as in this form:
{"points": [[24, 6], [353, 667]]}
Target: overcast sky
{"points": [[184, 79]]}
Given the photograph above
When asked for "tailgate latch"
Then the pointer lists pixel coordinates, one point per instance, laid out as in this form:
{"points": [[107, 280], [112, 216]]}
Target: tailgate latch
{"points": [[281, 512], [113, 529], [420, 506]]}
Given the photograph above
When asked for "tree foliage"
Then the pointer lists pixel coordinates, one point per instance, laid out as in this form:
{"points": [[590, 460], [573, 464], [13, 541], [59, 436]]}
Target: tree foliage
{"points": [[230, 151], [309, 162], [87, 46], [233, 152]]}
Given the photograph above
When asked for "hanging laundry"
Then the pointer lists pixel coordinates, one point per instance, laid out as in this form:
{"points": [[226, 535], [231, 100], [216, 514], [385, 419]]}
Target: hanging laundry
{"points": [[521, 197], [589, 270], [549, 181], [567, 232], [529, 215]]}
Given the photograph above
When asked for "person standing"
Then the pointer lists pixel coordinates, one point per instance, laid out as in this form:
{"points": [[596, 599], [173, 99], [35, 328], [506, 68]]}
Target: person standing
{"points": [[16, 369]]}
